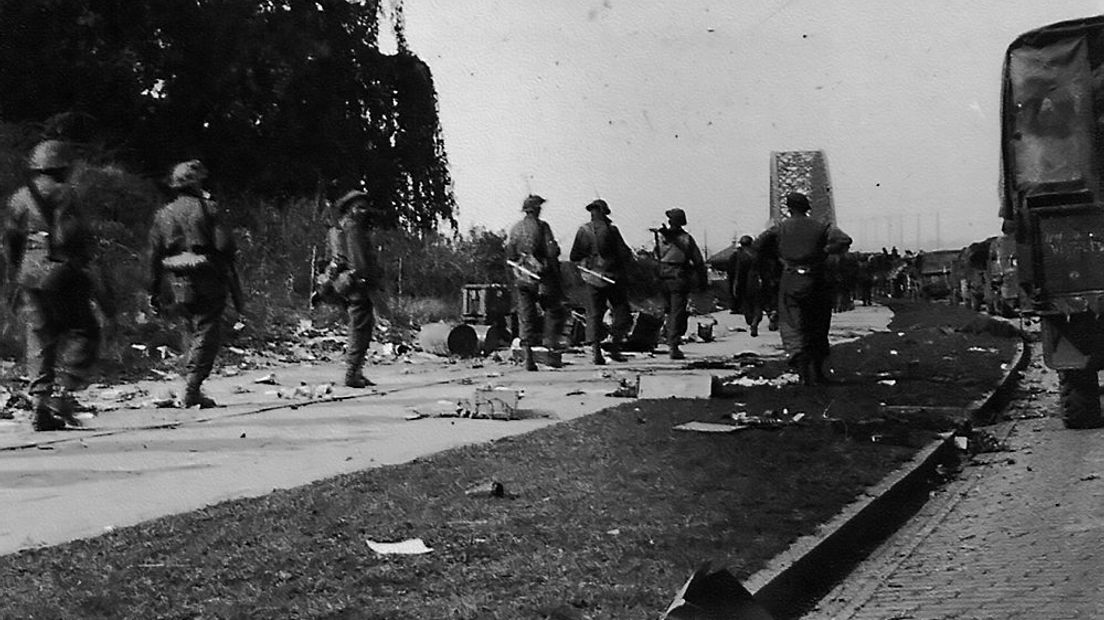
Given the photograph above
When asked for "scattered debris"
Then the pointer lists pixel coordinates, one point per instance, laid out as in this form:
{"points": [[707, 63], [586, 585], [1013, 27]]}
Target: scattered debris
{"points": [[714, 594], [497, 403], [269, 379], [786, 378], [710, 427], [770, 419], [412, 546], [627, 389]]}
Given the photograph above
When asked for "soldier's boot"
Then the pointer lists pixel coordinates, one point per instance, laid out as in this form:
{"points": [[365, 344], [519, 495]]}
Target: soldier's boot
{"points": [[676, 353], [820, 373], [45, 418], [599, 360], [754, 329], [194, 397], [772, 323], [530, 362], [615, 352], [354, 378], [64, 406]]}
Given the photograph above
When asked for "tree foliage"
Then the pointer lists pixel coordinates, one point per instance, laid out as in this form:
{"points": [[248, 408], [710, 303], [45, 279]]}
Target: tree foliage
{"points": [[279, 97]]}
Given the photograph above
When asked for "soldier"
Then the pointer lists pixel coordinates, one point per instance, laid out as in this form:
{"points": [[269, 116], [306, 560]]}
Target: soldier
{"points": [[532, 251], [50, 251], [192, 245], [603, 253], [681, 270], [745, 284], [802, 245], [354, 271]]}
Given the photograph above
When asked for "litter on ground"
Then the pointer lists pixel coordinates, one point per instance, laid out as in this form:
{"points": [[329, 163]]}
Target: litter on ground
{"points": [[412, 546]]}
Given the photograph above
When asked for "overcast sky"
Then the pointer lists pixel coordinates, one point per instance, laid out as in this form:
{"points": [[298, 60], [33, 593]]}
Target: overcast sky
{"points": [[659, 104]]}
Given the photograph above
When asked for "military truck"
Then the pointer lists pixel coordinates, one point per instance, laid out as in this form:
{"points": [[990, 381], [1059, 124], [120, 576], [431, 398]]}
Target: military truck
{"points": [[1052, 150]]}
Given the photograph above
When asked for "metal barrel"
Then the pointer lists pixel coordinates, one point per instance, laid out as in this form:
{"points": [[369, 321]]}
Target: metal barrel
{"points": [[491, 338], [449, 339]]}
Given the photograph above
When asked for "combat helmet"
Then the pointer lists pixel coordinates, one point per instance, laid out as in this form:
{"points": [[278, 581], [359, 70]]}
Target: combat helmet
{"points": [[50, 155], [191, 173]]}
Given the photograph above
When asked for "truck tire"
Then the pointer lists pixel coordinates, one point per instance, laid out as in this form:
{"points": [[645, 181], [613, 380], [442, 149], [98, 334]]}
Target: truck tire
{"points": [[1080, 398]]}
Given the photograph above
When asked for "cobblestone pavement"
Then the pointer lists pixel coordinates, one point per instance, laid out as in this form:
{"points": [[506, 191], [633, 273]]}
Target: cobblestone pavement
{"points": [[1020, 534]]}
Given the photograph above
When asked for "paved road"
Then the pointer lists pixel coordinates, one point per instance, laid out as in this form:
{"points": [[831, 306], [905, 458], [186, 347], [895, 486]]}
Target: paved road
{"points": [[138, 464], [1020, 535]]}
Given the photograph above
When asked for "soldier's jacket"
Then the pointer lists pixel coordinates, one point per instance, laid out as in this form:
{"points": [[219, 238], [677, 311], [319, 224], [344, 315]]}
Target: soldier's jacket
{"points": [[531, 242], [191, 224], [49, 245], [600, 247], [352, 249], [679, 257], [802, 242]]}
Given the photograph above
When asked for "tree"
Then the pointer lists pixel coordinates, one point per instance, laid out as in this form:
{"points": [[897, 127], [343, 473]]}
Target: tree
{"points": [[279, 97]]}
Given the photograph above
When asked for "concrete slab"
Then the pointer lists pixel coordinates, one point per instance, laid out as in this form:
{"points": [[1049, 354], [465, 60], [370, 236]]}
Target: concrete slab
{"points": [[132, 465], [675, 385]]}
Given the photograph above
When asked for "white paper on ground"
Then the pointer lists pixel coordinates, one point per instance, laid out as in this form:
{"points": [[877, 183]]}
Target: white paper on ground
{"points": [[413, 546]]}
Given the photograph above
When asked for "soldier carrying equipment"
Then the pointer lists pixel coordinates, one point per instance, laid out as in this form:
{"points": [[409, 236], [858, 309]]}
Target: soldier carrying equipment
{"points": [[51, 251], [191, 245]]}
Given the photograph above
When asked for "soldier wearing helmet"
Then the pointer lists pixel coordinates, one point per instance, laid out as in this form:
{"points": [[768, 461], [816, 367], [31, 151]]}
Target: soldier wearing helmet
{"points": [[681, 270], [192, 255], [532, 249], [745, 284], [354, 276], [50, 251], [604, 259], [802, 245]]}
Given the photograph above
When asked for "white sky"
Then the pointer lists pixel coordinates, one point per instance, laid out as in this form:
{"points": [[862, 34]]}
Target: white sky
{"points": [[655, 105]]}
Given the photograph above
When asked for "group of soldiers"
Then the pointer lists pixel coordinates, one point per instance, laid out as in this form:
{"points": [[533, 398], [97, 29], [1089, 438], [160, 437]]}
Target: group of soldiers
{"points": [[783, 271], [50, 251], [51, 254], [603, 259]]}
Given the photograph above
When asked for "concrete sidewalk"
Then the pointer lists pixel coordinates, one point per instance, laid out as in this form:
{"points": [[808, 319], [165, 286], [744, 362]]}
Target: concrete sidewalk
{"points": [[132, 465], [1019, 535]]}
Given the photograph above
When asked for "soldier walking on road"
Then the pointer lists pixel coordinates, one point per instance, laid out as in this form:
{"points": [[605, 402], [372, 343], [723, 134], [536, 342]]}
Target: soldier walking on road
{"points": [[745, 284], [681, 271], [533, 253], [190, 243], [355, 274], [803, 244], [603, 253], [50, 250]]}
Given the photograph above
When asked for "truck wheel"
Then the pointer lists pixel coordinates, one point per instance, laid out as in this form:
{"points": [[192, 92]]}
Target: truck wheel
{"points": [[1080, 398]]}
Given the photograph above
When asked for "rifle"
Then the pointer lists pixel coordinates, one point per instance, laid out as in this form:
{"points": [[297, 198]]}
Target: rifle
{"points": [[596, 274], [523, 269]]}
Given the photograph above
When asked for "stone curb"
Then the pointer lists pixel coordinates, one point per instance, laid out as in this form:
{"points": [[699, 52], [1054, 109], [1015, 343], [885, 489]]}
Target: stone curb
{"points": [[790, 576]]}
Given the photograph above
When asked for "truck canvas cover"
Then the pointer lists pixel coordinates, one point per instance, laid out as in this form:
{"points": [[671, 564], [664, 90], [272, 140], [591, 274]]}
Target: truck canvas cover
{"points": [[1052, 147]]}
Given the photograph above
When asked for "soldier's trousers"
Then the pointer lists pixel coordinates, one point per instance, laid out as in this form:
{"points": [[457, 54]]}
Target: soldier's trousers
{"points": [[617, 299], [362, 322], [205, 317], [805, 316], [676, 304], [530, 304], [62, 339]]}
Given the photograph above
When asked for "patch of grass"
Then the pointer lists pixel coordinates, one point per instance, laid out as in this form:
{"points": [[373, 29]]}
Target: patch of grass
{"points": [[606, 514], [611, 513]]}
